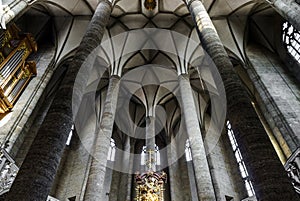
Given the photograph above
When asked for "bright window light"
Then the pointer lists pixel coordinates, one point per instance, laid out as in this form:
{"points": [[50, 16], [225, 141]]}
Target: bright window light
{"points": [[188, 152], [240, 161], [291, 39], [112, 150], [70, 136], [144, 154]]}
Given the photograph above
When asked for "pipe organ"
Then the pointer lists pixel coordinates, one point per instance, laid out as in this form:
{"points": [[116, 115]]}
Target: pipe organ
{"points": [[15, 70]]}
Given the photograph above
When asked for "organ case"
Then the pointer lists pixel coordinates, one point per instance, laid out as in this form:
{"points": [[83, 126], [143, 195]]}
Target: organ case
{"points": [[15, 70]]}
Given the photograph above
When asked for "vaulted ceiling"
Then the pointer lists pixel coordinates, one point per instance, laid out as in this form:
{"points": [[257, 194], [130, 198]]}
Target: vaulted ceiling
{"points": [[230, 17]]}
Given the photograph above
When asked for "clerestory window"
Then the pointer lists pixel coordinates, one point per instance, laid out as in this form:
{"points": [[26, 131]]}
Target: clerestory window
{"points": [[240, 161], [144, 155], [112, 150], [70, 136], [291, 39], [157, 155], [188, 152]]}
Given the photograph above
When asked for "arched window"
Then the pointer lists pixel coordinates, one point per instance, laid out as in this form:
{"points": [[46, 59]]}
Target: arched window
{"points": [[156, 156], [291, 39], [112, 150], [70, 136], [240, 161], [188, 152], [143, 155]]}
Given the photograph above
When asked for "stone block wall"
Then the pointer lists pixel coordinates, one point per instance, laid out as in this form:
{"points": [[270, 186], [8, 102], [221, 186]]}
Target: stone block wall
{"points": [[280, 96], [224, 170]]}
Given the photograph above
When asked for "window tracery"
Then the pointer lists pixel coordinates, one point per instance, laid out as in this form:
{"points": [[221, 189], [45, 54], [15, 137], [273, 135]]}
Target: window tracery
{"points": [[291, 39]]}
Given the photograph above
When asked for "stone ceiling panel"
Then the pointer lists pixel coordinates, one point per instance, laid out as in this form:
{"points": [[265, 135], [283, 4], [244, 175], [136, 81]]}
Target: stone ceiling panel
{"points": [[81, 8], [226, 7], [68, 5], [162, 59], [92, 3], [134, 61], [220, 8], [164, 20], [77, 31], [117, 11], [226, 37], [63, 26], [134, 21], [56, 10], [130, 6], [170, 5], [238, 31], [182, 27]]}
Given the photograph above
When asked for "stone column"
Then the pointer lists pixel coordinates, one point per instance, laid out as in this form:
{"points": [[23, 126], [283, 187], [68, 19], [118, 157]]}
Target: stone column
{"points": [[124, 183], [131, 172], [204, 183], [116, 173], [38, 170], [95, 187], [174, 173], [114, 188], [269, 179], [289, 11]]}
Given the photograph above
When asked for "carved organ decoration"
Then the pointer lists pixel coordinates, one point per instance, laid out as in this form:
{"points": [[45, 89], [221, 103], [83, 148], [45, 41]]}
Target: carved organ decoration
{"points": [[292, 166], [8, 171], [15, 70]]}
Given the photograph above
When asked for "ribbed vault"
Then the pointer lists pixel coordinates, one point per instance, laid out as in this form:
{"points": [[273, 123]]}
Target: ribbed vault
{"points": [[229, 17]]}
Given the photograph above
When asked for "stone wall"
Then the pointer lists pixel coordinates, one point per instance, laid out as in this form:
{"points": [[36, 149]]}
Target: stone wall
{"points": [[72, 175], [280, 97], [226, 176], [23, 114]]}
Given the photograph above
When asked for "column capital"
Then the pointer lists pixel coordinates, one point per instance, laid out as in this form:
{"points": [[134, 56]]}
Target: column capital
{"points": [[150, 113], [184, 76], [106, 1], [189, 2], [150, 117], [115, 76]]}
